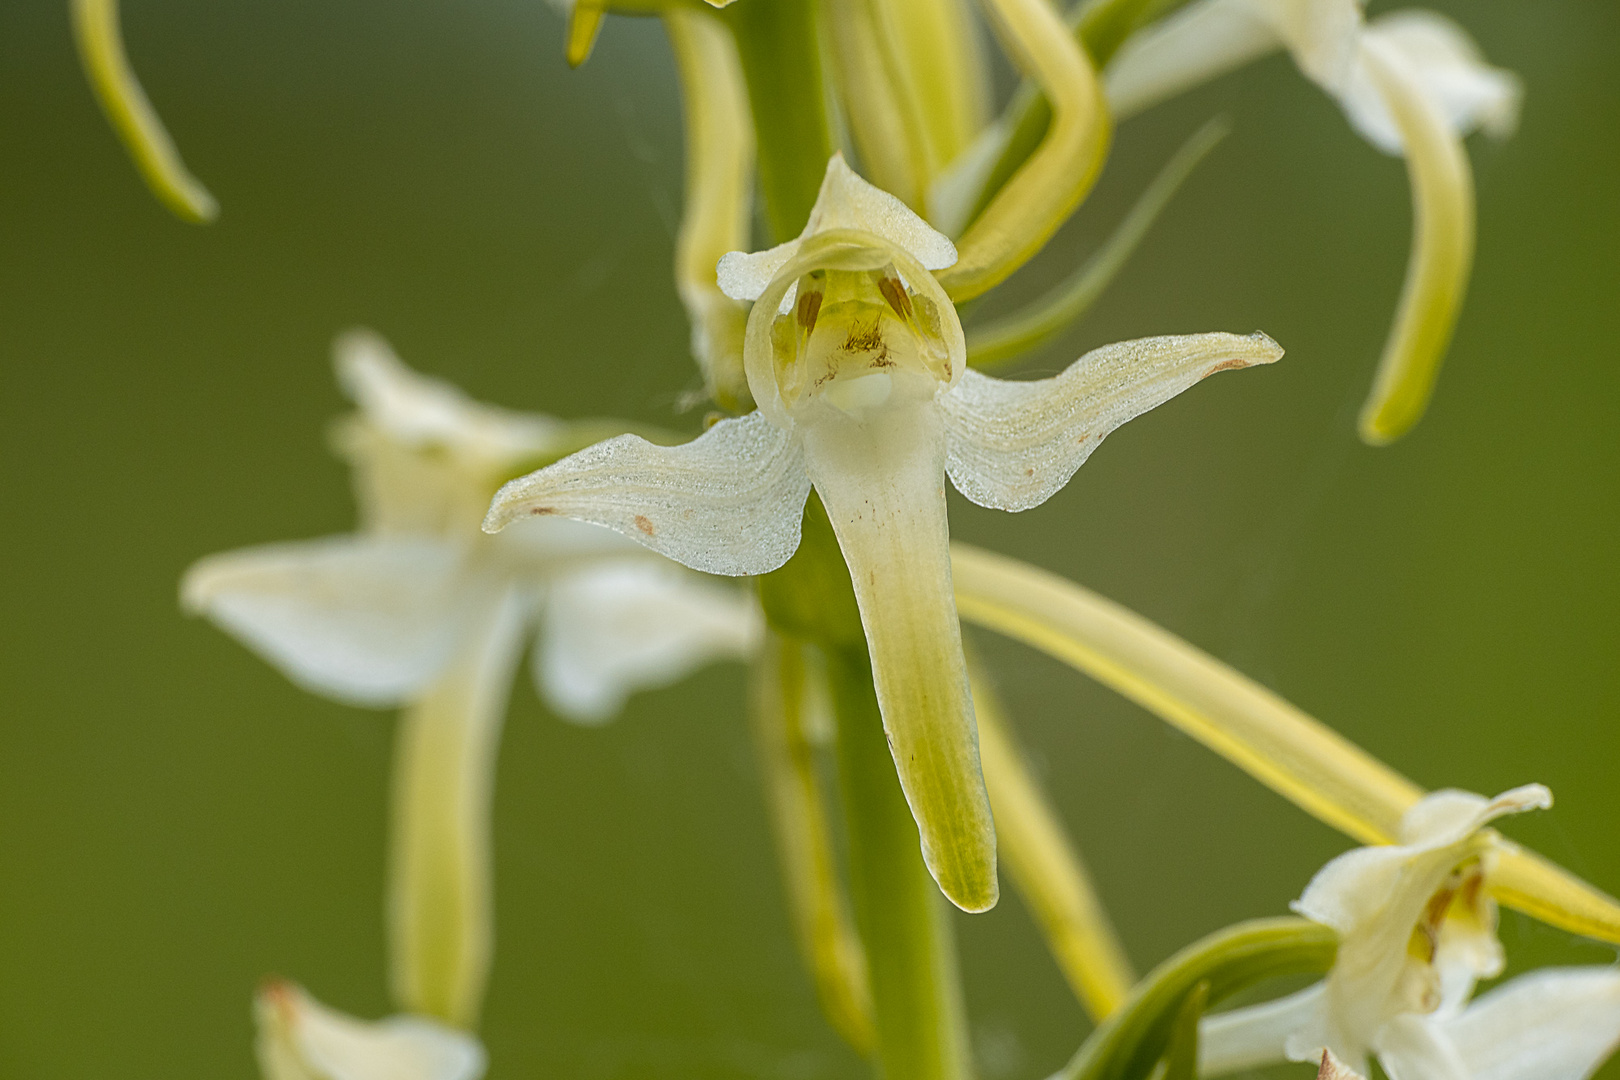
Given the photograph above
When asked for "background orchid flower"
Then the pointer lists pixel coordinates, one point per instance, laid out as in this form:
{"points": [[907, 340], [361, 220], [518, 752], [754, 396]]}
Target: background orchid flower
{"points": [[301, 1039], [1417, 930], [419, 609], [855, 357], [1412, 83]]}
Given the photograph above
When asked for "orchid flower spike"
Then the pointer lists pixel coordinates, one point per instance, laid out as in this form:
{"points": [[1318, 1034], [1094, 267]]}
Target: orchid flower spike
{"points": [[301, 1039], [1412, 83], [419, 609], [1417, 930], [855, 357]]}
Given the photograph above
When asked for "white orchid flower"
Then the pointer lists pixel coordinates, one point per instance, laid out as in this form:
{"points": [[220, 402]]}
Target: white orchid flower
{"points": [[855, 357], [420, 609], [1412, 83], [301, 1039], [1417, 930]]}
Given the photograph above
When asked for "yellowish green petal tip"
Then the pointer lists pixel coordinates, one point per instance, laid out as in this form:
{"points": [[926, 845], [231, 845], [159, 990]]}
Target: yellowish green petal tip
{"points": [[101, 50], [584, 27]]}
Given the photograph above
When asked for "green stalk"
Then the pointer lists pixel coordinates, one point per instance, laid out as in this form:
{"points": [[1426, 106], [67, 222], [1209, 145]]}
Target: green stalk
{"points": [[779, 43], [902, 919]]}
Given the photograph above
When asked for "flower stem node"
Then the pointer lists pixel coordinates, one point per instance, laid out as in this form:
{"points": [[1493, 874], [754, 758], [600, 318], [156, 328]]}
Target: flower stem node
{"points": [[856, 359]]}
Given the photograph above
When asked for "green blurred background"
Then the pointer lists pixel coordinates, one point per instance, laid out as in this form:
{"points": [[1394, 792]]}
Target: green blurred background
{"points": [[177, 821]]}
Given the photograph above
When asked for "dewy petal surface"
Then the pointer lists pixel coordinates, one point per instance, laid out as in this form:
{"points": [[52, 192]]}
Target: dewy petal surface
{"points": [[613, 629], [1553, 1024], [881, 477], [728, 502], [846, 202], [301, 1039], [1012, 445], [364, 620]]}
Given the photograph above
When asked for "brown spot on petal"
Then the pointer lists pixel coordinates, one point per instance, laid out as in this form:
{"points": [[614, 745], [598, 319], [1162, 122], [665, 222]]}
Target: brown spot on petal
{"points": [[1228, 365], [537, 511], [644, 524]]}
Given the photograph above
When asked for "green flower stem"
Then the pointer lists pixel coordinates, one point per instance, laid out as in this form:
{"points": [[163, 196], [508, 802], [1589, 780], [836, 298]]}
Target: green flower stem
{"points": [[1101, 27], [779, 44], [1154, 1022], [903, 921]]}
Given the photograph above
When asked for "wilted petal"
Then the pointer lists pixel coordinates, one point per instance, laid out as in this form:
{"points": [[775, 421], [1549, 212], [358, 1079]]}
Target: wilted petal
{"points": [[617, 628], [1554, 1024], [728, 502], [301, 1039], [363, 620], [1447, 65], [846, 202], [1012, 445], [422, 412], [881, 477]]}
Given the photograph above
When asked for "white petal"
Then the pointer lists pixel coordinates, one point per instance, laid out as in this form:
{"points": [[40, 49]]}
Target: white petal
{"points": [[1258, 1035], [1360, 886], [1554, 1024], [617, 628], [360, 619], [422, 412], [1196, 44], [301, 1039], [846, 202], [1012, 445], [728, 502], [743, 275], [1320, 34], [1412, 1048], [1446, 816], [880, 476], [1443, 60]]}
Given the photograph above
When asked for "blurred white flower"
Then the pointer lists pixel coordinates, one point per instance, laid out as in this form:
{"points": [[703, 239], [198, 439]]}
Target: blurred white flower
{"points": [[421, 609], [1417, 930], [1412, 83], [855, 357], [301, 1039]]}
